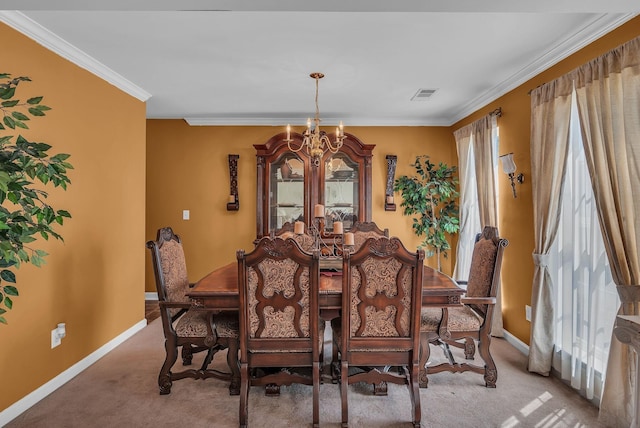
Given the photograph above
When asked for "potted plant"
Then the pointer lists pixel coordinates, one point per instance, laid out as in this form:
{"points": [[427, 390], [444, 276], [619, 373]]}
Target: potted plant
{"points": [[431, 196], [25, 169]]}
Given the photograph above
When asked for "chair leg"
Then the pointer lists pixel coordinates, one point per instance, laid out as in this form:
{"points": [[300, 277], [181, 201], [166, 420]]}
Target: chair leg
{"points": [[207, 360], [316, 395], [244, 395], [232, 362], [425, 352], [164, 378], [414, 391], [469, 348], [490, 371], [335, 361], [187, 355], [344, 386]]}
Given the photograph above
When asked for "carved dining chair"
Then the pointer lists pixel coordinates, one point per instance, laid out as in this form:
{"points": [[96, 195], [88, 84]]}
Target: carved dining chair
{"points": [[191, 329], [279, 321], [361, 232], [365, 230], [305, 240], [469, 324], [380, 324]]}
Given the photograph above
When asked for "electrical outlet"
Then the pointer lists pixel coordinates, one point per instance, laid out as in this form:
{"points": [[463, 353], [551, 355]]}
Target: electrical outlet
{"points": [[57, 334], [55, 338], [527, 312], [185, 214]]}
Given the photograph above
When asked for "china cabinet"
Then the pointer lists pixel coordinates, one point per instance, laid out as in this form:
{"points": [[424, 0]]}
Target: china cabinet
{"points": [[289, 185]]}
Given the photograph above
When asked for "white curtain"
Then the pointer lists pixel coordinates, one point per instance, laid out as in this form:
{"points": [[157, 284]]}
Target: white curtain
{"points": [[584, 297], [469, 211]]}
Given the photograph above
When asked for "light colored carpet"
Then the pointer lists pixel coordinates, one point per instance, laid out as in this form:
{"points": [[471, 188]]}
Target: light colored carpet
{"points": [[121, 390]]}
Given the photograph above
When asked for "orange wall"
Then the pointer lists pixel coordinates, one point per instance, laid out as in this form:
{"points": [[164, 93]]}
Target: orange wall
{"points": [[516, 215], [187, 168], [94, 281]]}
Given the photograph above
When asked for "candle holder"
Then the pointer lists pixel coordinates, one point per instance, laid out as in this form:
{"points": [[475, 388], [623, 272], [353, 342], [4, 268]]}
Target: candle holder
{"points": [[330, 245]]}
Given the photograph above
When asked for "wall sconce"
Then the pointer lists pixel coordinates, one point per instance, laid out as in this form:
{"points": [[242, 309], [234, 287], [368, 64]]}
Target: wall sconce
{"points": [[509, 168], [233, 203]]}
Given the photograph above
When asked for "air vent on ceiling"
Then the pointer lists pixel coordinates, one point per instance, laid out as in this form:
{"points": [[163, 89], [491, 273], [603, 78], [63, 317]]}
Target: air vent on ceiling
{"points": [[423, 94]]}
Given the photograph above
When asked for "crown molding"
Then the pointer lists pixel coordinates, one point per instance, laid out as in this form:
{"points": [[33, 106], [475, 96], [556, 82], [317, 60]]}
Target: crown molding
{"points": [[56, 44], [598, 27], [272, 121]]}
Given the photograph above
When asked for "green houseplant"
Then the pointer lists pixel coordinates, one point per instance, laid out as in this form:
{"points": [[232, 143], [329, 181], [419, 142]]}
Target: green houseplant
{"points": [[430, 196], [25, 169]]}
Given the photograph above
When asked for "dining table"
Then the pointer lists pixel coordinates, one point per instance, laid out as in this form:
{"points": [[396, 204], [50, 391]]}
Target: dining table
{"points": [[218, 292]]}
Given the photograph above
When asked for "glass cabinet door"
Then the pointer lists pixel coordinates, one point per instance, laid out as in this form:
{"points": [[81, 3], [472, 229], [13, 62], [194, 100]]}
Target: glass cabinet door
{"points": [[286, 194], [341, 191]]}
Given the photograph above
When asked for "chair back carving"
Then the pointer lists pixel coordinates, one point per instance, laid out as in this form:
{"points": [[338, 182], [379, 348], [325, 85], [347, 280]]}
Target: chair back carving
{"points": [[365, 230], [486, 261]]}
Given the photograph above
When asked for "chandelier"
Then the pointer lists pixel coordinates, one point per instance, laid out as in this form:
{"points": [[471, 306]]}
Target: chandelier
{"points": [[316, 142]]}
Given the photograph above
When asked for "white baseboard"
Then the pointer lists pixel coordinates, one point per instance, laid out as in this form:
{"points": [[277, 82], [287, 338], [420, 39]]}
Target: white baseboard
{"points": [[516, 343], [151, 296], [17, 408]]}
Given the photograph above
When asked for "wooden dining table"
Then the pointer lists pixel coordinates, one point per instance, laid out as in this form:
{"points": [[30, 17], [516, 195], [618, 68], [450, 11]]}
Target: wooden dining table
{"points": [[218, 292]]}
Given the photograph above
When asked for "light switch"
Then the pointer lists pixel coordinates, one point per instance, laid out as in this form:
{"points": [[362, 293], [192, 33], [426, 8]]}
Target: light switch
{"points": [[185, 214]]}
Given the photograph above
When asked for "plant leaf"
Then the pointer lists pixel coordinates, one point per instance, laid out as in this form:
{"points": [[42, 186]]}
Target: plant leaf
{"points": [[10, 290], [8, 276]]}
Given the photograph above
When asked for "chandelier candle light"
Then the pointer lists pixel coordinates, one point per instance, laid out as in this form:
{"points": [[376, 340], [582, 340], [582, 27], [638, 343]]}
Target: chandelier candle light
{"points": [[315, 141]]}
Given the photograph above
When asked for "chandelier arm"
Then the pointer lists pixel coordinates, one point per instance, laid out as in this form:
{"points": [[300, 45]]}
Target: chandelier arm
{"points": [[292, 149]]}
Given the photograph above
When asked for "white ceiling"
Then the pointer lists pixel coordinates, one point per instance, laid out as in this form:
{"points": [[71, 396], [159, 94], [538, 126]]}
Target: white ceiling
{"points": [[248, 62]]}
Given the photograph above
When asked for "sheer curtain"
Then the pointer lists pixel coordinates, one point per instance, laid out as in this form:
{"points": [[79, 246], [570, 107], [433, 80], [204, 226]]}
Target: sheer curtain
{"points": [[469, 211], [584, 298]]}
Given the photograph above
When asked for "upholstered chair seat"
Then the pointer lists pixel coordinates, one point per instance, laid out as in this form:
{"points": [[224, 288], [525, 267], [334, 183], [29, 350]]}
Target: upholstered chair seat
{"points": [[460, 319], [193, 324], [227, 325]]}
